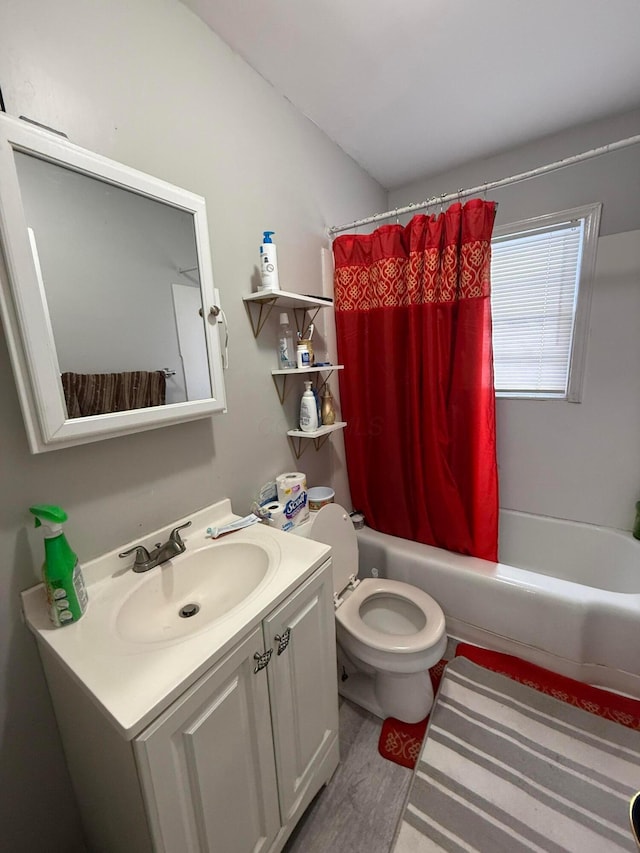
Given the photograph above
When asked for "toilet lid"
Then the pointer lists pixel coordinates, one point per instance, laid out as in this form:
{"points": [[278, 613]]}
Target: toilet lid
{"points": [[332, 526]]}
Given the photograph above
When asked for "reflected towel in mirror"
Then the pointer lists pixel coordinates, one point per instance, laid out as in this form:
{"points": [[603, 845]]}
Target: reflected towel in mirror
{"points": [[101, 393]]}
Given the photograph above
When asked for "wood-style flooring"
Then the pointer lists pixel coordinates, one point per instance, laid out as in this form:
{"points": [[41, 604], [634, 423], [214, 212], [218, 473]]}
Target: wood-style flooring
{"points": [[358, 811]]}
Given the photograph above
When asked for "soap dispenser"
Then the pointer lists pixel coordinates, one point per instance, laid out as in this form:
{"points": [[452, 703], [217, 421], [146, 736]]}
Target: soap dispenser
{"points": [[328, 407], [308, 410]]}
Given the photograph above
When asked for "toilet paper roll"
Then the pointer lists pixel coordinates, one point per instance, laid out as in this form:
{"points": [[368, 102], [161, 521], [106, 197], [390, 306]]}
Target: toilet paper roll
{"points": [[292, 494], [277, 517]]}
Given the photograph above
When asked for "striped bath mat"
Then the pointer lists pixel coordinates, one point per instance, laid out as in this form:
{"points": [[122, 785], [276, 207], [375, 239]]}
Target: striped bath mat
{"points": [[505, 769]]}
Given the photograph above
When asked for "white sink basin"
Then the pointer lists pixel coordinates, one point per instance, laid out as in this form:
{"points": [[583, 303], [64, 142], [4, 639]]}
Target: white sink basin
{"points": [[187, 594]]}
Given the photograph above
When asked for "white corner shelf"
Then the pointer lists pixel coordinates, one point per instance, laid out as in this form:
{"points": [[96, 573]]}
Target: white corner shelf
{"points": [[298, 437], [281, 383], [262, 303]]}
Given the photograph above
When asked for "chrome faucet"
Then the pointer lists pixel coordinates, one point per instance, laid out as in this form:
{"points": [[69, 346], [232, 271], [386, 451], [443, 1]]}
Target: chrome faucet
{"points": [[160, 554]]}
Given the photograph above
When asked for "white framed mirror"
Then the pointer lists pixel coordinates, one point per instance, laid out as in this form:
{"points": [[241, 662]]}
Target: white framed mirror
{"points": [[106, 292]]}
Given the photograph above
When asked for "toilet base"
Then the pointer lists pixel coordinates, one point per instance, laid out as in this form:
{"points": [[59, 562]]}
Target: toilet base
{"points": [[406, 697], [359, 689]]}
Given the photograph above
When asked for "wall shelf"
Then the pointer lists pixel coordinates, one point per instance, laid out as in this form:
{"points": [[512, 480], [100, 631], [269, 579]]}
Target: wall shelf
{"points": [[260, 305], [305, 308], [280, 377], [298, 437]]}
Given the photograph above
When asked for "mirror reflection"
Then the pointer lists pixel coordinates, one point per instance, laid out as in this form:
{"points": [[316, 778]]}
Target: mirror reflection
{"points": [[119, 273]]}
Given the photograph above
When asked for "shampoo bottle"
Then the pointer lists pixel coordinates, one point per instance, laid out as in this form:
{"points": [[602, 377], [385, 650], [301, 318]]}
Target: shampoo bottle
{"points": [[308, 410], [269, 263], [62, 575]]}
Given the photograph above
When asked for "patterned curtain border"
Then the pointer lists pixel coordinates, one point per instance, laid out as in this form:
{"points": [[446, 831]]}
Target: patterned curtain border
{"points": [[426, 277]]}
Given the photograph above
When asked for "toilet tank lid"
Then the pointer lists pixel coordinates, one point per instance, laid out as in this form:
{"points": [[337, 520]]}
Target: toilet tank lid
{"points": [[332, 526]]}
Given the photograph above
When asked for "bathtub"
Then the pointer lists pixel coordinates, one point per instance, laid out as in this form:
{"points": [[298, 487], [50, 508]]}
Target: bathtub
{"points": [[565, 595]]}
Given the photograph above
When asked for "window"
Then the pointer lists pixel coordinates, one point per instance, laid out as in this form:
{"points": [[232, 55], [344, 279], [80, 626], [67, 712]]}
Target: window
{"points": [[541, 277]]}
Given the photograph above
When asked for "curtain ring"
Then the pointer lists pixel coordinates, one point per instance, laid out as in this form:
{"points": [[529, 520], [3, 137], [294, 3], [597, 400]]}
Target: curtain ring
{"points": [[397, 219], [442, 202]]}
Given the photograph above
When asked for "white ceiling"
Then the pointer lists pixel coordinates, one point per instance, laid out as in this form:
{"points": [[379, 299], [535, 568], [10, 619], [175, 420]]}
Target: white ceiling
{"points": [[413, 87]]}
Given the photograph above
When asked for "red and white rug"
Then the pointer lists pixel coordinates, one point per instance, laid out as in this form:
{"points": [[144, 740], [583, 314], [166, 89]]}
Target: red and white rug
{"points": [[401, 742]]}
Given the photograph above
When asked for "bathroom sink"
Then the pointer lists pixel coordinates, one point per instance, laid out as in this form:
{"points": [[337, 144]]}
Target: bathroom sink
{"points": [[187, 594]]}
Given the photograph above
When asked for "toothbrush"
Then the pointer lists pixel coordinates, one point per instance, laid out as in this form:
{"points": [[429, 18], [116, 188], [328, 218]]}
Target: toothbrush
{"points": [[247, 521]]}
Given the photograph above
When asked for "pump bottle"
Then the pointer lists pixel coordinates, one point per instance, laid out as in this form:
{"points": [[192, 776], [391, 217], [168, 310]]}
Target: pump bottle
{"points": [[328, 407], [308, 410], [269, 263], [62, 575]]}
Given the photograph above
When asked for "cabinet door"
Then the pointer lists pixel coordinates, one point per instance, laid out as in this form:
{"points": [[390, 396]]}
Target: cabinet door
{"points": [[303, 686], [207, 764]]}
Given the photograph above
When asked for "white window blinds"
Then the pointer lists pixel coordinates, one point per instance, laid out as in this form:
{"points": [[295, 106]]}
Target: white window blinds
{"points": [[534, 288]]}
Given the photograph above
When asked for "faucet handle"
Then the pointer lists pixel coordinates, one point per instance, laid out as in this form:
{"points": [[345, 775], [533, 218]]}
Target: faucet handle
{"points": [[174, 536], [142, 555]]}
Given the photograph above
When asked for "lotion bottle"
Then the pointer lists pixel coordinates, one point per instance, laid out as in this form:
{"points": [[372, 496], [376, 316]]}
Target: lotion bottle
{"points": [[308, 410], [269, 263]]}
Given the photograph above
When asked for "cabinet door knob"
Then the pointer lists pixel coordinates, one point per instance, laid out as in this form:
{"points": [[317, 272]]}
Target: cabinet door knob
{"points": [[262, 659], [282, 640]]}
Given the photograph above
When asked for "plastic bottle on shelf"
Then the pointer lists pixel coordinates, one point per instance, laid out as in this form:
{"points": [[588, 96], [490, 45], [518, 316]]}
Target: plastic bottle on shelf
{"points": [[316, 397], [286, 345], [303, 356], [328, 407], [268, 263], [308, 410]]}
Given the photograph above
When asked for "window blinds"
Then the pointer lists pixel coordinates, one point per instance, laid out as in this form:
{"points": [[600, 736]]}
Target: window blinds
{"points": [[534, 284]]}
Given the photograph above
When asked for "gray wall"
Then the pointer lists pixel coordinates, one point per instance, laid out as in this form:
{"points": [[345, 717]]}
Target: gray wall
{"points": [[613, 179], [579, 461], [146, 83]]}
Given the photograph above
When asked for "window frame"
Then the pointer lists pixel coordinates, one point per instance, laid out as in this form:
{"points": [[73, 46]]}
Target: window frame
{"points": [[590, 214]]}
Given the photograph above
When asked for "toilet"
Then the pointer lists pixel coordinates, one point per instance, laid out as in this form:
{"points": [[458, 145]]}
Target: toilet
{"points": [[389, 631]]}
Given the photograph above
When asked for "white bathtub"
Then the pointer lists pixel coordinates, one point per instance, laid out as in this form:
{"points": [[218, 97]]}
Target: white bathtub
{"points": [[565, 595]]}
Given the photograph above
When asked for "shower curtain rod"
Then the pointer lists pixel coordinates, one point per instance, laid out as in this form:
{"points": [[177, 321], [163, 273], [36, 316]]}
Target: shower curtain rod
{"points": [[491, 185]]}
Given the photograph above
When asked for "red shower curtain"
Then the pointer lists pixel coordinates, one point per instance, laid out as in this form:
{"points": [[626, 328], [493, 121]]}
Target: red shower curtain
{"points": [[413, 318]]}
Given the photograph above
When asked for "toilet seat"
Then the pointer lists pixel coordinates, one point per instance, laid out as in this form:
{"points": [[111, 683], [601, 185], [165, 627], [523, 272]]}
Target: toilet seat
{"points": [[348, 615], [332, 526]]}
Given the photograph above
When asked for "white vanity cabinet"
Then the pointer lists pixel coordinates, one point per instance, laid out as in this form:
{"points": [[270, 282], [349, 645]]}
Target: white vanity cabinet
{"points": [[207, 765], [303, 688], [230, 765]]}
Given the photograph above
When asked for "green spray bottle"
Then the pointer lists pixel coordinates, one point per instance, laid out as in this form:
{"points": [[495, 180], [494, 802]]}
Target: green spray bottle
{"points": [[61, 572]]}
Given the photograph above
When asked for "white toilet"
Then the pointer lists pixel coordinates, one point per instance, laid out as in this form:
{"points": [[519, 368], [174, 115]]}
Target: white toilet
{"points": [[391, 632]]}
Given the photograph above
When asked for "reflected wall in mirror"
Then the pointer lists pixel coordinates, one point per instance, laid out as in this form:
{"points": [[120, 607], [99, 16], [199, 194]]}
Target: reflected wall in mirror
{"points": [[111, 261], [108, 303]]}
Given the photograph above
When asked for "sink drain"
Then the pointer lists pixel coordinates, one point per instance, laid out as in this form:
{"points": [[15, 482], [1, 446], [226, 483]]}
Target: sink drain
{"points": [[189, 610]]}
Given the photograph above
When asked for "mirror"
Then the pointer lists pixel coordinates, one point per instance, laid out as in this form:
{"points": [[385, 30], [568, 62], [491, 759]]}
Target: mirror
{"points": [[109, 306]]}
